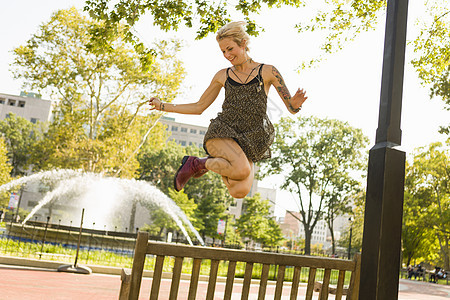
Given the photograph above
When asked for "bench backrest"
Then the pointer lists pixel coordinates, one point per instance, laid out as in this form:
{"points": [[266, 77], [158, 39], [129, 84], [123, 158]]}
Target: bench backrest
{"points": [[216, 255]]}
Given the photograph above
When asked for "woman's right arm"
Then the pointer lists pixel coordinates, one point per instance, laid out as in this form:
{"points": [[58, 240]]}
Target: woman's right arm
{"points": [[197, 108]]}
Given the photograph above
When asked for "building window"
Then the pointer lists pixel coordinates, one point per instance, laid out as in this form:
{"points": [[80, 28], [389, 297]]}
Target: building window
{"points": [[174, 128], [183, 143], [33, 120], [202, 132], [12, 102], [194, 131], [190, 143], [2, 100], [200, 145], [21, 103], [183, 129]]}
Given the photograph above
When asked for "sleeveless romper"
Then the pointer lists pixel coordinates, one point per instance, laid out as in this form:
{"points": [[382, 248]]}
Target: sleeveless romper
{"points": [[244, 118]]}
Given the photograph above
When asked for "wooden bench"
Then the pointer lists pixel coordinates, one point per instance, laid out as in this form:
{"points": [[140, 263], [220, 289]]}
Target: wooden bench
{"points": [[131, 283]]}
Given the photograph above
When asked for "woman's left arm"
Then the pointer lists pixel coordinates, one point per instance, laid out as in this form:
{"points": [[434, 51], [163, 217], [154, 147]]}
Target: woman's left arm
{"points": [[293, 104]]}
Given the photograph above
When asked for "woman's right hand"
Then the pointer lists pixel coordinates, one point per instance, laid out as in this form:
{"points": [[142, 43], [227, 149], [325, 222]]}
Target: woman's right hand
{"points": [[155, 103]]}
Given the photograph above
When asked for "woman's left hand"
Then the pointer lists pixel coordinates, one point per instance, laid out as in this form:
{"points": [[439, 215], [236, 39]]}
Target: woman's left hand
{"points": [[155, 103], [298, 99]]}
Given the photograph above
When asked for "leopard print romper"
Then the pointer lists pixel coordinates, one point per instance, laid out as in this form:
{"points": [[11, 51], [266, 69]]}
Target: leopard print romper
{"points": [[244, 118]]}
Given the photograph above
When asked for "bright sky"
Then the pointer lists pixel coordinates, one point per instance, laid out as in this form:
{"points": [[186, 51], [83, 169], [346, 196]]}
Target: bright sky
{"points": [[345, 87]]}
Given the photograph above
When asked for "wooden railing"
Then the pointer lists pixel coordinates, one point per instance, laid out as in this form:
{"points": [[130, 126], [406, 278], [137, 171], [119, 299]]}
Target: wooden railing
{"points": [[131, 283]]}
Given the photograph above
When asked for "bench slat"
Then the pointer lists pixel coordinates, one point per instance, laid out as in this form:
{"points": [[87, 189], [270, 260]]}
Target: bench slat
{"points": [[125, 276], [230, 280], [280, 279], [194, 278], [158, 248], [157, 274], [295, 283], [247, 280], [340, 285], [176, 278], [138, 265], [212, 279], [263, 282], [310, 287], [353, 289], [323, 295]]}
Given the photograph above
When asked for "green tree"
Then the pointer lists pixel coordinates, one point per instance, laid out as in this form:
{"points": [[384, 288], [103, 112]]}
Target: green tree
{"points": [[313, 154], [432, 52], [161, 221], [414, 228], [99, 125], [256, 224], [339, 201], [428, 202], [20, 136], [356, 223], [5, 170]]}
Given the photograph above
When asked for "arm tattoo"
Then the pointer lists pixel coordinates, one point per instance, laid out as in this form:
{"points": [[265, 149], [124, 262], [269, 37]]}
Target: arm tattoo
{"points": [[282, 89]]}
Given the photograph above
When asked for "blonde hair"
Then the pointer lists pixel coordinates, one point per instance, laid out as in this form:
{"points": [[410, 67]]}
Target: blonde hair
{"points": [[235, 31]]}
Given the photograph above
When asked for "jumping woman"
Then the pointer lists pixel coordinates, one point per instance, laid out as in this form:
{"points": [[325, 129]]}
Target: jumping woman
{"points": [[242, 133]]}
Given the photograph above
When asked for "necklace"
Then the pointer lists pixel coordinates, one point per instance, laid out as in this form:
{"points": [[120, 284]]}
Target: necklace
{"points": [[248, 75]]}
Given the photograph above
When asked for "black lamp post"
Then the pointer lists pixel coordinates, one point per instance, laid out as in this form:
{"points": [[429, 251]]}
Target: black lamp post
{"points": [[380, 257], [349, 254]]}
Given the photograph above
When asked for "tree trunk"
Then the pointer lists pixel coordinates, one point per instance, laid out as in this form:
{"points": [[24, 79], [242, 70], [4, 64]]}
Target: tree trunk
{"points": [[333, 243], [445, 250], [308, 234]]}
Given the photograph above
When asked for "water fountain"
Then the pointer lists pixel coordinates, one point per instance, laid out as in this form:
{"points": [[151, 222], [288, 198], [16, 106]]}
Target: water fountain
{"points": [[104, 198]]}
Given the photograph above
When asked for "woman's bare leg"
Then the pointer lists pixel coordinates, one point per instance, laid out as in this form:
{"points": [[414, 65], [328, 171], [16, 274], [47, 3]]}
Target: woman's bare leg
{"points": [[239, 188], [228, 159]]}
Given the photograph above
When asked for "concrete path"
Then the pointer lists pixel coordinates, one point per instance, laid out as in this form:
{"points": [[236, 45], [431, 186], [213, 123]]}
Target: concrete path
{"points": [[23, 283]]}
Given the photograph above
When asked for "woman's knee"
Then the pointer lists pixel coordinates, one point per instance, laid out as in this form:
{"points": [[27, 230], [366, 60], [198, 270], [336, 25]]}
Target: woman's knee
{"points": [[239, 191], [239, 188], [242, 170]]}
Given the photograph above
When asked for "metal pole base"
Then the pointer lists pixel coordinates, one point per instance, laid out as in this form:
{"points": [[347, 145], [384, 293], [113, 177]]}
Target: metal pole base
{"points": [[75, 269]]}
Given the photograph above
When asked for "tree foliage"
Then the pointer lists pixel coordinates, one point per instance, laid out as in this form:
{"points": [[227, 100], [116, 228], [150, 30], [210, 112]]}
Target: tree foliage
{"points": [[432, 52], [356, 223], [427, 205], [341, 21], [314, 155], [256, 224], [5, 170], [339, 201], [161, 221], [98, 122], [206, 16], [20, 136]]}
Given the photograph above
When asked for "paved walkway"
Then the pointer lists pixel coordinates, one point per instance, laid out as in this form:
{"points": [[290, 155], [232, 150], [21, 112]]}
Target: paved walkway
{"points": [[23, 283]]}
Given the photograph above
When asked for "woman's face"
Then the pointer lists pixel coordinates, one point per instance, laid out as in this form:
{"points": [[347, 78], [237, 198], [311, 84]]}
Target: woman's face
{"points": [[234, 53]]}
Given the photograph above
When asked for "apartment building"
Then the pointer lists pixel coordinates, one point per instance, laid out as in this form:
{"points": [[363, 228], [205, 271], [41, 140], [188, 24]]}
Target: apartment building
{"points": [[28, 105], [184, 134], [292, 228]]}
